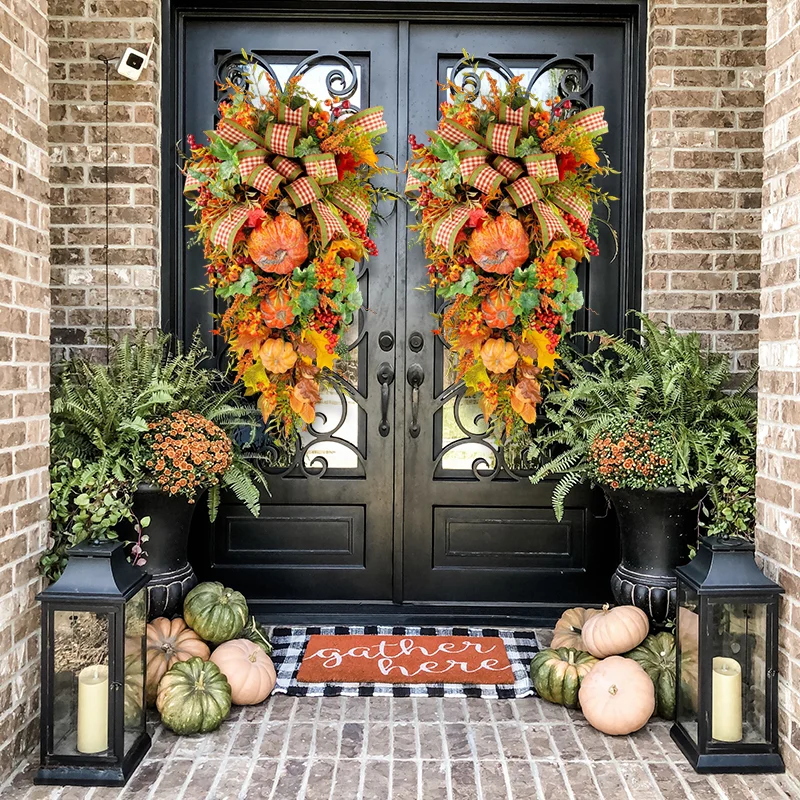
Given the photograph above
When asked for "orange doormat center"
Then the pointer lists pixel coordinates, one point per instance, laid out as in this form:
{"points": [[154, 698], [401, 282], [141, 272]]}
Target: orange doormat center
{"points": [[405, 659]]}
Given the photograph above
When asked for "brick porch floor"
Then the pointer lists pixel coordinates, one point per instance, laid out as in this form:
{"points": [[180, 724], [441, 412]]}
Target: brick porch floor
{"points": [[366, 749]]}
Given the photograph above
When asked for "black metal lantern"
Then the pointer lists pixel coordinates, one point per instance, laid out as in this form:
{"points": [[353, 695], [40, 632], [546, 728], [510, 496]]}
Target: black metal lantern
{"points": [[94, 622], [727, 649]]}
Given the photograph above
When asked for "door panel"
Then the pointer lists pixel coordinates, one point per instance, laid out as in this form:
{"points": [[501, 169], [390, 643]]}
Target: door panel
{"points": [[435, 515], [326, 532], [475, 530]]}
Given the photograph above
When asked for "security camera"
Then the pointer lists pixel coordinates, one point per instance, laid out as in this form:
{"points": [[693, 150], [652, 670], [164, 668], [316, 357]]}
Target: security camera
{"points": [[133, 63]]}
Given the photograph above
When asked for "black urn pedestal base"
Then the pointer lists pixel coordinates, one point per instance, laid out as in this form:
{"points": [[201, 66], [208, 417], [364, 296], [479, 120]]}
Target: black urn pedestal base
{"points": [[657, 527], [171, 574]]}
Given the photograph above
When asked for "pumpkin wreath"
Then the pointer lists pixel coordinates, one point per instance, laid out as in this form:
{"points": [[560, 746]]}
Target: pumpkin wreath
{"points": [[283, 206], [504, 199]]}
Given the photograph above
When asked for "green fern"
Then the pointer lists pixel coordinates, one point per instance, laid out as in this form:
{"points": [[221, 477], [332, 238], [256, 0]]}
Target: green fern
{"points": [[668, 378], [99, 412]]}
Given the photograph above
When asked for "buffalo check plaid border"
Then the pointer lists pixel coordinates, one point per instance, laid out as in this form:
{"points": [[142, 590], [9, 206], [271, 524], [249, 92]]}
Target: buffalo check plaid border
{"points": [[290, 644]]}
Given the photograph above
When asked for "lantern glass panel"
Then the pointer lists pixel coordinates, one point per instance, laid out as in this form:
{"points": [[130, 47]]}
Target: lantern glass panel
{"points": [[135, 666], [688, 641], [81, 696], [739, 671]]}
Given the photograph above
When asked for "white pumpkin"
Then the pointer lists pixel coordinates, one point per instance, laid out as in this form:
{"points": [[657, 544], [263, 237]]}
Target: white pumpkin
{"points": [[249, 671], [615, 630], [617, 697]]}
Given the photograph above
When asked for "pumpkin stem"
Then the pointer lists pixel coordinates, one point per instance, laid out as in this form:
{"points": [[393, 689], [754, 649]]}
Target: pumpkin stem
{"points": [[612, 690], [606, 607], [252, 657], [571, 658]]}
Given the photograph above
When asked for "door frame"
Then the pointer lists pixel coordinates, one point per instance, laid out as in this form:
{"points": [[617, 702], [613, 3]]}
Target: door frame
{"points": [[631, 14]]}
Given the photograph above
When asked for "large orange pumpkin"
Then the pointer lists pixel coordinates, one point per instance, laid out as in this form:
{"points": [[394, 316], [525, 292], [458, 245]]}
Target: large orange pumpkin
{"points": [[615, 630], [497, 311], [277, 309], [277, 356], [249, 671], [498, 355], [169, 641], [500, 245], [278, 245]]}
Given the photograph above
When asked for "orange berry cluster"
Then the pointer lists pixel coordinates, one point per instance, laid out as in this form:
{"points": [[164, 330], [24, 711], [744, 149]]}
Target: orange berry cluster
{"points": [[187, 453]]}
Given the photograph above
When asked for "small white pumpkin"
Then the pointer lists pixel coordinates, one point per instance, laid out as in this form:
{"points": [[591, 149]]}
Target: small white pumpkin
{"points": [[615, 630], [617, 697], [249, 671]]}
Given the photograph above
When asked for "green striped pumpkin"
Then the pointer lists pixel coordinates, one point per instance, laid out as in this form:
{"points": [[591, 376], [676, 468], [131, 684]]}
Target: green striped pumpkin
{"points": [[656, 655], [193, 697], [557, 674], [214, 612]]}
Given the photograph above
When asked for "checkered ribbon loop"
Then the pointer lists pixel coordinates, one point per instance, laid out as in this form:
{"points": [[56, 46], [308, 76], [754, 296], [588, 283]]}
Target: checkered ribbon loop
{"points": [[580, 206], [592, 120], [502, 138], [321, 167], [351, 203], [445, 231], [281, 138], [223, 233], [543, 167], [249, 160], [521, 117], [294, 116], [370, 120]]}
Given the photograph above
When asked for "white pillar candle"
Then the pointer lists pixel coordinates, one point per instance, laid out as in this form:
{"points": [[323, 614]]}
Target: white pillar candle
{"points": [[726, 700], [93, 709]]}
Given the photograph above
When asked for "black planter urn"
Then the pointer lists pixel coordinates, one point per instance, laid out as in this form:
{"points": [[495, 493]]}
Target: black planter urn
{"points": [[171, 574], [656, 529]]}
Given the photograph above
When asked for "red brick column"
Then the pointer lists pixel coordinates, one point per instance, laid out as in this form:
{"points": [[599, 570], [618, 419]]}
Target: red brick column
{"points": [[703, 169], [24, 364], [778, 533], [80, 31]]}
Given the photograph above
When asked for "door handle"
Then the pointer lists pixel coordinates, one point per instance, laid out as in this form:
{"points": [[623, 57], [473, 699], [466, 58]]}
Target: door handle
{"points": [[385, 379], [415, 377]]}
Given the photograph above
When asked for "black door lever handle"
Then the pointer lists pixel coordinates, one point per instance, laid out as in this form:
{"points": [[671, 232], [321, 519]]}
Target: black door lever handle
{"points": [[415, 377], [385, 379]]}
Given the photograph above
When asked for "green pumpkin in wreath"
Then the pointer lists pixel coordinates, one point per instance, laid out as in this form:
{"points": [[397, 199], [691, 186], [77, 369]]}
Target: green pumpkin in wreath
{"points": [[657, 657], [193, 697], [557, 674], [214, 612]]}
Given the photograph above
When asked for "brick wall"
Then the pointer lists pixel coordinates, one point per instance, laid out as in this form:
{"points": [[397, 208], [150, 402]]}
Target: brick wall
{"points": [[778, 533], [80, 31], [24, 363], [703, 169]]}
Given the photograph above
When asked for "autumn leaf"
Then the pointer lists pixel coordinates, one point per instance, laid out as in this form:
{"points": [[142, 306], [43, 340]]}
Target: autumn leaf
{"points": [[323, 357], [544, 358], [266, 404], [304, 397], [524, 398]]}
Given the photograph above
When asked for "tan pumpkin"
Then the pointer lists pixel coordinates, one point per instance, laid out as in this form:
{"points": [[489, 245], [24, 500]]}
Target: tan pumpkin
{"points": [[278, 245], [276, 309], [169, 641], [498, 355], [617, 696], [615, 630], [249, 671], [496, 309], [277, 356], [500, 245], [567, 632]]}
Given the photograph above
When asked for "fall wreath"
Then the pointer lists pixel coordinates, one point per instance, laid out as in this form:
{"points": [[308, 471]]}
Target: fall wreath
{"points": [[283, 206], [504, 200]]}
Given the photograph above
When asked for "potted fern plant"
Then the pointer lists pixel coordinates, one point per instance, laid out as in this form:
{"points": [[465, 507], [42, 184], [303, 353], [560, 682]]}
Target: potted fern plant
{"points": [[650, 421], [135, 443]]}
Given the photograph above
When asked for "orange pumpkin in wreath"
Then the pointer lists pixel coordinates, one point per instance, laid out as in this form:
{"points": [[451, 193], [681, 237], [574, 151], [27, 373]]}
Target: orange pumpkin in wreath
{"points": [[276, 309], [500, 245], [277, 356], [498, 355], [278, 245], [497, 311]]}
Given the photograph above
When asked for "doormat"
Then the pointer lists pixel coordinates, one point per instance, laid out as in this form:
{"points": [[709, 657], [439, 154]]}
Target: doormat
{"points": [[373, 660]]}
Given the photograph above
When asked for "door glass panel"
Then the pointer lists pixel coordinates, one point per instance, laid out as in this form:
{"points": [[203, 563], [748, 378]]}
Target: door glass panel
{"points": [[314, 79], [330, 410]]}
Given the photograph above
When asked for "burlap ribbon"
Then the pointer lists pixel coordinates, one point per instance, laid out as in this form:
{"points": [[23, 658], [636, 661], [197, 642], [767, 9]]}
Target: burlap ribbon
{"points": [[491, 165], [272, 162]]}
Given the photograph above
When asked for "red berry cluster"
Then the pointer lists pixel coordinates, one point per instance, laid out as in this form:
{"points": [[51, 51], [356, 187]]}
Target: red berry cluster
{"points": [[343, 106], [203, 196], [325, 322], [425, 195], [579, 230], [357, 227], [192, 142]]}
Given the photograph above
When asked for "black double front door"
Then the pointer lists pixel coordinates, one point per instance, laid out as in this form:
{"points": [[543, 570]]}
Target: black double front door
{"points": [[396, 496]]}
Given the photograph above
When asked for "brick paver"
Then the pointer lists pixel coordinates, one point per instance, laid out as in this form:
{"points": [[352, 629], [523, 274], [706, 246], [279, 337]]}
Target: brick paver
{"points": [[442, 749]]}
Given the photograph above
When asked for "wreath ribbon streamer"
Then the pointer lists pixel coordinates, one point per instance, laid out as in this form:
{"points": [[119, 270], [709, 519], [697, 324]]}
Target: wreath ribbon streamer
{"points": [[490, 164], [272, 161]]}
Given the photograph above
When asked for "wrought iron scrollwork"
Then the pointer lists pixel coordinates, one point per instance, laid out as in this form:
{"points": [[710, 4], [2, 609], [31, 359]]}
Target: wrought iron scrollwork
{"points": [[573, 84], [233, 67]]}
